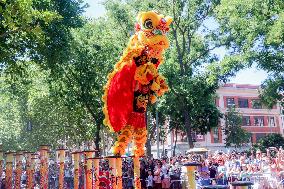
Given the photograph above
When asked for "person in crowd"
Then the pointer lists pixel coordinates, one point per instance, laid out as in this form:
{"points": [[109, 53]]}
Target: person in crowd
{"points": [[165, 178], [143, 174], [175, 173], [244, 174], [212, 170], [157, 176], [217, 168], [221, 177], [204, 174], [258, 158], [150, 181], [68, 176]]}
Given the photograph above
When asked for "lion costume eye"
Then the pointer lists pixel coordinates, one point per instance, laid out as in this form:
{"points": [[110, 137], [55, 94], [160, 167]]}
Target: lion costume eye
{"points": [[148, 24]]}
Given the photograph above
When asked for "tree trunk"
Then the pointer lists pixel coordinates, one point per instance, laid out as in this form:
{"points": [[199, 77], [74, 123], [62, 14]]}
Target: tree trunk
{"points": [[175, 145], [148, 142], [188, 128], [104, 145], [97, 140], [163, 153], [148, 148]]}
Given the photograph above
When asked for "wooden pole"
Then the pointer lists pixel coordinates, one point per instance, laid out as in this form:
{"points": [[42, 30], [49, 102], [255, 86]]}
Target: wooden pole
{"points": [[34, 160], [118, 165], [136, 163], [1, 164], [19, 165], [97, 172], [44, 149], [9, 170], [191, 167], [76, 158], [61, 158], [88, 168], [112, 170], [30, 168]]}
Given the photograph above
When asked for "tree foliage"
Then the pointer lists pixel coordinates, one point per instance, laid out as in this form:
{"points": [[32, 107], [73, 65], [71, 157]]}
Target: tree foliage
{"points": [[93, 52], [270, 140], [235, 134], [255, 28], [33, 115], [38, 30]]}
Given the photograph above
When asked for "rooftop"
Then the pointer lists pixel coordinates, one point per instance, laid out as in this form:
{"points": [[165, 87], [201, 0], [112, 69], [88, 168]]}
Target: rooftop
{"points": [[241, 86]]}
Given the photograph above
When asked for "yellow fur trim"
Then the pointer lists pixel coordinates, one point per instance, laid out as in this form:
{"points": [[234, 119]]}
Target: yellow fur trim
{"points": [[131, 51]]}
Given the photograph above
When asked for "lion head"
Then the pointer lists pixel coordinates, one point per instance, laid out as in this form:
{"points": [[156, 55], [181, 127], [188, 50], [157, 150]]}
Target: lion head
{"points": [[151, 29]]}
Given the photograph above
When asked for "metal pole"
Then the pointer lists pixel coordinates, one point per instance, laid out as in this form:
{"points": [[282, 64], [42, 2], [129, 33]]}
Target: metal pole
{"points": [[158, 134], [172, 143]]}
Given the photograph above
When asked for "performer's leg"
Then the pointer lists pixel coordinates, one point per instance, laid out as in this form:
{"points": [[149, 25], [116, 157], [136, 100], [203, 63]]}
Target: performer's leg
{"points": [[140, 138], [123, 139]]}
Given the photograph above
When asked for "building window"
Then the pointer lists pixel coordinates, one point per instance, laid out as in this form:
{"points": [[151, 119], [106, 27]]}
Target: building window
{"points": [[259, 121], [216, 135], [230, 102], [256, 104], [271, 121], [243, 103], [246, 121]]}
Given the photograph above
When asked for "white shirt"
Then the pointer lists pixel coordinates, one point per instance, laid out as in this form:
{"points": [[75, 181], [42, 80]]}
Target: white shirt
{"points": [[150, 181]]}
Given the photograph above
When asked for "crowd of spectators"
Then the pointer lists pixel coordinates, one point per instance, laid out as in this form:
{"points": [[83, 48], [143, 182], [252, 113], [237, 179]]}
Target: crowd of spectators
{"points": [[218, 168]]}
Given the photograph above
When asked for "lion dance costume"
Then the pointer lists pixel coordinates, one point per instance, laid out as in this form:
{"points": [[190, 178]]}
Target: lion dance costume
{"points": [[135, 82]]}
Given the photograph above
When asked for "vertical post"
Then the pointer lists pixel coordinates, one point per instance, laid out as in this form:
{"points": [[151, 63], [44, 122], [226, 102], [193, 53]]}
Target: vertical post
{"points": [[30, 165], [35, 158], [76, 158], [158, 131], [19, 157], [112, 171], [9, 170], [103, 140], [44, 149], [88, 168], [97, 172], [61, 158], [118, 165], [136, 163], [1, 164], [191, 167]]}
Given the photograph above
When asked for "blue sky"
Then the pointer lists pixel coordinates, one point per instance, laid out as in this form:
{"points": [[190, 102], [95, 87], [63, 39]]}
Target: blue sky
{"points": [[246, 76]]}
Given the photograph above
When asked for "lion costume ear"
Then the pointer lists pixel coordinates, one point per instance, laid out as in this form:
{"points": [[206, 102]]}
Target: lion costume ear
{"points": [[169, 20]]}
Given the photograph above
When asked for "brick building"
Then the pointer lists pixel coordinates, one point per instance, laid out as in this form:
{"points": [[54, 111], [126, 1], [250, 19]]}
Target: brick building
{"points": [[257, 119]]}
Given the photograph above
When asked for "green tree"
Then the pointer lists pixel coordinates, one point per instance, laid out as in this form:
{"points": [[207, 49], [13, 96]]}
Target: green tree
{"points": [[255, 28], [31, 114], [92, 55], [37, 30], [235, 135], [270, 140]]}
